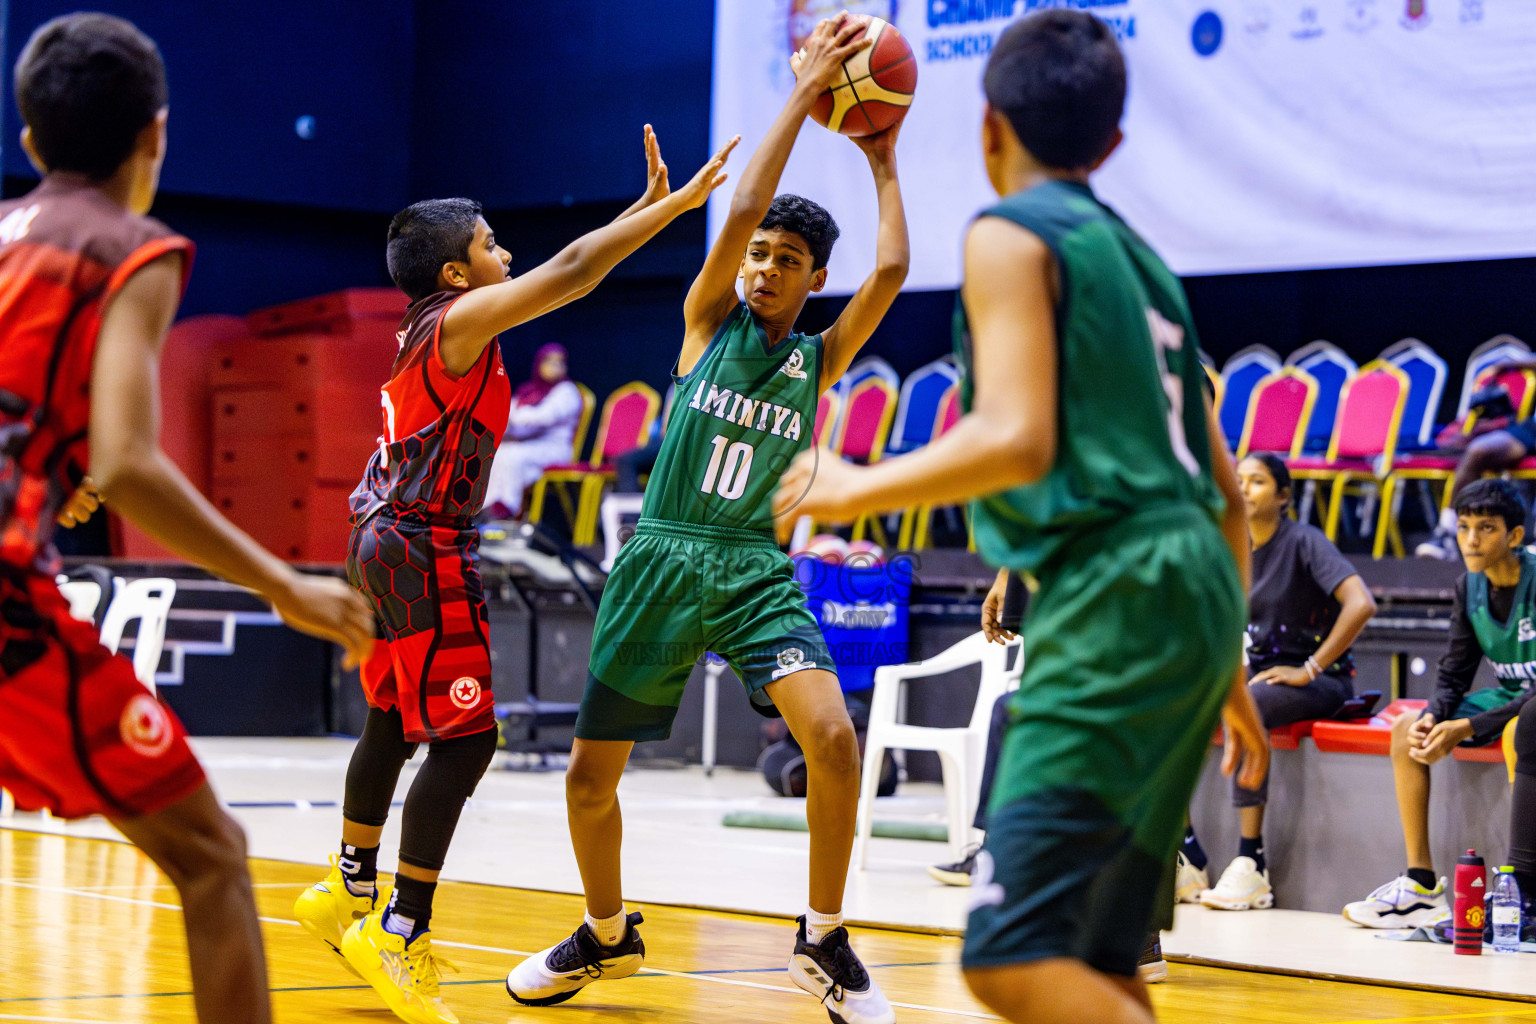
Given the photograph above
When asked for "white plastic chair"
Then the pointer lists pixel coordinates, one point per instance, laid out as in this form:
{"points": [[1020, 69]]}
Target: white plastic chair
{"points": [[149, 601], [961, 751], [83, 597]]}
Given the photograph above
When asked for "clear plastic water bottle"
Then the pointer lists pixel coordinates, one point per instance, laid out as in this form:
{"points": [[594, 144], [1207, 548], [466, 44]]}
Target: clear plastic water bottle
{"points": [[1506, 912]]}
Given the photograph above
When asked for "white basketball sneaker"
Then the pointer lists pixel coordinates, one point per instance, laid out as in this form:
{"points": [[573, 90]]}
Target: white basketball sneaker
{"points": [[1192, 881], [1242, 887], [562, 970], [832, 972], [1400, 903]]}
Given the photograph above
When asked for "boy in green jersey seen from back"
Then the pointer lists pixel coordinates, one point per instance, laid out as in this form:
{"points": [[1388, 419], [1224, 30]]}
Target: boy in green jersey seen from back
{"points": [[1097, 470], [703, 572]]}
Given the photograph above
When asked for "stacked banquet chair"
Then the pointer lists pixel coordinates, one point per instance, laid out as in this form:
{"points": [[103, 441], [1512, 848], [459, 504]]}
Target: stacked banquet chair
{"points": [[624, 424]]}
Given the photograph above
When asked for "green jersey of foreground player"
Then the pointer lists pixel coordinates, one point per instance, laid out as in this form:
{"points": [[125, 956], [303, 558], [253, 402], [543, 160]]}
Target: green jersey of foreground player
{"points": [[703, 571], [1079, 357]]}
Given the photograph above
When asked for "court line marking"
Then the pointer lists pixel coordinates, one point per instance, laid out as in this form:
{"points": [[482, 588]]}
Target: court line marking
{"points": [[52, 1020], [711, 978], [168, 885], [1439, 1017]]}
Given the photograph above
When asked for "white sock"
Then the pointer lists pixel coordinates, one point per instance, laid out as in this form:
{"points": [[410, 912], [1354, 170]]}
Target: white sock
{"points": [[610, 931], [1448, 520], [819, 926]]}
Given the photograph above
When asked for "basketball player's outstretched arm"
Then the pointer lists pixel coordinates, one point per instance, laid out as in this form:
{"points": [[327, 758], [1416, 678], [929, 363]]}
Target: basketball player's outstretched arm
{"points": [[144, 485], [893, 254], [656, 189], [713, 294], [1009, 436], [482, 313]]}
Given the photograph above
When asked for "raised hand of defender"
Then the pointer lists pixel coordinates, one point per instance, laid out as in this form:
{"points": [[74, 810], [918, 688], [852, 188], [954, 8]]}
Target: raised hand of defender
{"points": [[331, 610], [820, 61], [709, 178], [819, 485], [656, 187], [80, 506], [992, 611], [1247, 742]]}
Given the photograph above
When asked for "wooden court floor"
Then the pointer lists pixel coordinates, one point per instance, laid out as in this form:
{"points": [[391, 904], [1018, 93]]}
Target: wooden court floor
{"points": [[90, 933]]}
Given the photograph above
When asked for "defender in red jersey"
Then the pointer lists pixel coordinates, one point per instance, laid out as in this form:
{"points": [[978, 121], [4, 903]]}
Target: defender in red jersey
{"points": [[445, 408], [88, 288]]}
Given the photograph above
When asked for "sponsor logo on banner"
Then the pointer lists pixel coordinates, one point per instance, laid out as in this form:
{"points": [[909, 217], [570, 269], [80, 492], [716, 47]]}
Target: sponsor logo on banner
{"points": [[465, 692], [1360, 15], [978, 23], [1309, 23], [1415, 14], [1256, 21], [804, 14], [145, 727], [1206, 34], [1471, 12]]}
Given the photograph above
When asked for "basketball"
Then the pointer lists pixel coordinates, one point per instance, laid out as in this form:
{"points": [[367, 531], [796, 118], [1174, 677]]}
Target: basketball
{"points": [[828, 547], [865, 554], [878, 84]]}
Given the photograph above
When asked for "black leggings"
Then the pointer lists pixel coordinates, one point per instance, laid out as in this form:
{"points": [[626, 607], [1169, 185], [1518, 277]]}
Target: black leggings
{"points": [[1522, 810], [432, 807]]}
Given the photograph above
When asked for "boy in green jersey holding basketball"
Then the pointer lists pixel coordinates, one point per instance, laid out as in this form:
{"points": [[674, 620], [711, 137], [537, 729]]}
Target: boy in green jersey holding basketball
{"points": [[1493, 617], [1099, 472], [703, 571]]}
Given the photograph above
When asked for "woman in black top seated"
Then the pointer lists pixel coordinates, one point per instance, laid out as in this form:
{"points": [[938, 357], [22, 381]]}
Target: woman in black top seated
{"points": [[1306, 607]]}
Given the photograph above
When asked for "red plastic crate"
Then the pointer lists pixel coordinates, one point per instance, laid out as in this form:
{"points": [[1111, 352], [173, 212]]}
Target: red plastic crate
{"points": [[328, 311], [283, 462], [361, 357], [329, 523]]}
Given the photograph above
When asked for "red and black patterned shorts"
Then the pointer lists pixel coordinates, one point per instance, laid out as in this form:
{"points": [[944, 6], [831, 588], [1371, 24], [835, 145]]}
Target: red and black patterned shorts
{"points": [[434, 663]]}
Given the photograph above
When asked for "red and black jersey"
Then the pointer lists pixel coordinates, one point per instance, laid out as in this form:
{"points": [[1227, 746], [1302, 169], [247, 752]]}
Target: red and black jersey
{"points": [[440, 431], [65, 251]]}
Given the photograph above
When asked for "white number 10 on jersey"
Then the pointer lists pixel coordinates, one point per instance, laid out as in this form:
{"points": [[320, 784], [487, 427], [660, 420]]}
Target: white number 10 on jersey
{"points": [[728, 481]]}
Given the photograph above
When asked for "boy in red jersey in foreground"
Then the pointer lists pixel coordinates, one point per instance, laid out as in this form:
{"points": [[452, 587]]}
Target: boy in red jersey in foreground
{"points": [[88, 287], [413, 555]]}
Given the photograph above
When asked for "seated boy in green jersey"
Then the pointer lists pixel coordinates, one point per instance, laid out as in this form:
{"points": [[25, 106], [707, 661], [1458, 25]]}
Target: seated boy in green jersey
{"points": [[1494, 617], [1099, 471], [703, 572]]}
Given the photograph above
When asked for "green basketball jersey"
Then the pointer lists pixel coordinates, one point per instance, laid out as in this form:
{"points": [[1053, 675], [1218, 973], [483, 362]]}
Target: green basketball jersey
{"points": [[1509, 646], [1130, 421], [739, 418]]}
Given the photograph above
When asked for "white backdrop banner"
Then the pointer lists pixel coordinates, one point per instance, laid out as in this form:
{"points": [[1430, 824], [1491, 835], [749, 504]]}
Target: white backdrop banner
{"points": [[1260, 134]]}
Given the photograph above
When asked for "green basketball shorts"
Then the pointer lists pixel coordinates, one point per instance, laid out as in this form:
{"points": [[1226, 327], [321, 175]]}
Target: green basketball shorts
{"points": [[1131, 644], [1477, 702], [676, 591]]}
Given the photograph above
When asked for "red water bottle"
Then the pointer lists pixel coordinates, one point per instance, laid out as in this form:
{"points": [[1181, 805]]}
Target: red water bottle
{"points": [[1468, 914]]}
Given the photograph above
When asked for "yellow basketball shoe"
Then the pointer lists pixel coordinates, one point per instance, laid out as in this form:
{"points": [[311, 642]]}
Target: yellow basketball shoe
{"points": [[327, 909], [405, 974]]}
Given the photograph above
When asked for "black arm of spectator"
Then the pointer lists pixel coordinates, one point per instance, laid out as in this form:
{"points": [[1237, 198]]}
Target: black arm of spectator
{"points": [[1492, 723], [1462, 657]]}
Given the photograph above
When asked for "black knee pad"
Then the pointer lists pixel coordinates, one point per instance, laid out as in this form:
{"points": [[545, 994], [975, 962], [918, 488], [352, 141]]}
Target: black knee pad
{"points": [[380, 753], [447, 779]]}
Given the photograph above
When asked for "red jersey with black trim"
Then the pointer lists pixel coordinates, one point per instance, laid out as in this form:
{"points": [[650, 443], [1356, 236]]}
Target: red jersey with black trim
{"points": [[440, 431], [65, 251]]}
